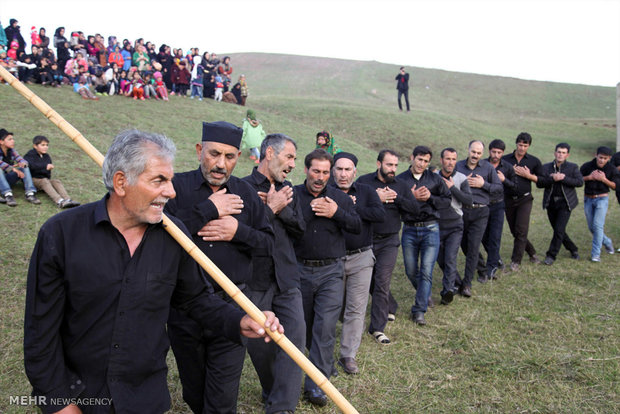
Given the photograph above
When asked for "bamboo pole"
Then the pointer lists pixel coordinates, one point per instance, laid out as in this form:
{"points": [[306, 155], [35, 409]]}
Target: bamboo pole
{"points": [[231, 289]]}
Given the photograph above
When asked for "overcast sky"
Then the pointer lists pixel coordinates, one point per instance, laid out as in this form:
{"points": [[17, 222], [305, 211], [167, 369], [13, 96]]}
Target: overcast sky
{"points": [[573, 41]]}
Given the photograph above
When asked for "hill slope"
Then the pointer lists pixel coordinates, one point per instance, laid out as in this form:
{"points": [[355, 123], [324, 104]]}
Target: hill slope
{"points": [[545, 339]]}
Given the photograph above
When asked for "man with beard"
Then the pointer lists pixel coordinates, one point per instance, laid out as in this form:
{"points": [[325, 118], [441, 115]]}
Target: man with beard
{"points": [[275, 280], [228, 222], [483, 181], [95, 322], [420, 236], [397, 201], [559, 179], [359, 261], [451, 221], [519, 199], [328, 213], [492, 238]]}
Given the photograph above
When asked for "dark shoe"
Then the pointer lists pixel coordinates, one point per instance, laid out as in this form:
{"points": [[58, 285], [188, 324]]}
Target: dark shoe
{"points": [[431, 302], [534, 259], [514, 267], [10, 201], [349, 365], [494, 273], [32, 199], [482, 274], [316, 396], [447, 297], [575, 255], [500, 264], [2, 200], [334, 371], [483, 279], [418, 318], [466, 291], [549, 260], [68, 203]]}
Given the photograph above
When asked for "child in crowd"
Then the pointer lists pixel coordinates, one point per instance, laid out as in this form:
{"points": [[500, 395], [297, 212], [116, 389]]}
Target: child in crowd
{"points": [[197, 74], [149, 87], [253, 135], [183, 78], [12, 169], [56, 75], [325, 140], [81, 87], [41, 168], [219, 88], [137, 87], [160, 87], [124, 83]]}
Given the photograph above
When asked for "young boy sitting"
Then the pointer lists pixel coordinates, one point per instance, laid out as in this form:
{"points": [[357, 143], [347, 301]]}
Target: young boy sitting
{"points": [[12, 169], [41, 169]]}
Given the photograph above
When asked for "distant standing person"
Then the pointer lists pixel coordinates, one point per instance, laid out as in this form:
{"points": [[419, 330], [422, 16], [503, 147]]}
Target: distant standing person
{"points": [[402, 86]]}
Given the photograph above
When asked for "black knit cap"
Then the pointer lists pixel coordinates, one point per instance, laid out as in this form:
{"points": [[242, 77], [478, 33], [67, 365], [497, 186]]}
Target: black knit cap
{"points": [[345, 155], [223, 132]]}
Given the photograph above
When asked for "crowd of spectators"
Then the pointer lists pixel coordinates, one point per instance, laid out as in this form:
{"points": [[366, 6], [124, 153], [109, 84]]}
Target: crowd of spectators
{"points": [[139, 70]]}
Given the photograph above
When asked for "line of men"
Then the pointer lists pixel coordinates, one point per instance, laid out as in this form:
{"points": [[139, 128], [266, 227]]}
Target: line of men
{"points": [[309, 254]]}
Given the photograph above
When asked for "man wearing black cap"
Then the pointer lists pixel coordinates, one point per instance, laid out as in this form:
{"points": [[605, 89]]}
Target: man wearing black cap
{"points": [[359, 261], [328, 213], [275, 280], [228, 222], [397, 200]]}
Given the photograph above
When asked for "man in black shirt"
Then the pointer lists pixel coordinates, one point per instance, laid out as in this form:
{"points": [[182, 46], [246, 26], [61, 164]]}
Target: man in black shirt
{"points": [[402, 86], [275, 280], [451, 222], [228, 222], [359, 261], [483, 181], [328, 213], [600, 177], [420, 237], [519, 199], [397, 200], [559, 179], [95, 322], [492, 238]]}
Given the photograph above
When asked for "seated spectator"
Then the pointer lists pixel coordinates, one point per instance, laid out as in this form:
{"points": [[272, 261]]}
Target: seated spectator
{"points": [[81, 87], [56, 75], [127, 56], [124, 83], [160, 86], [236, 90], [45, 75], [76, 66], [116, 57], [137, 86], [12, 169], [40, 164], [92, 49], [140, 58], [228, 97], [149, 87]]}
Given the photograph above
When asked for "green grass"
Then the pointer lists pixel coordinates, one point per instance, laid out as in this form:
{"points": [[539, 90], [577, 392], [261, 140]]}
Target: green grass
{"points": [[543, 340]]}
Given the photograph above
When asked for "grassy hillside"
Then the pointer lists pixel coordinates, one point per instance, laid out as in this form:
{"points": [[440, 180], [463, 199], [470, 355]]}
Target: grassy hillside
{"points": [[542, 340]]}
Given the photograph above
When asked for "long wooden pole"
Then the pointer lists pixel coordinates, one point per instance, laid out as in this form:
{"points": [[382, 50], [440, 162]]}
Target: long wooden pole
{"points": [[231, 289]]}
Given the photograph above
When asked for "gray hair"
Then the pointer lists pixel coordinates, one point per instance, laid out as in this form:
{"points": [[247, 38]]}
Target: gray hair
{"points": [[130, 151], [275, 141]]}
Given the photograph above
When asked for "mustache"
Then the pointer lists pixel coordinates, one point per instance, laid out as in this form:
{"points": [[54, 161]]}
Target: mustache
{"points": [[218, 170]]}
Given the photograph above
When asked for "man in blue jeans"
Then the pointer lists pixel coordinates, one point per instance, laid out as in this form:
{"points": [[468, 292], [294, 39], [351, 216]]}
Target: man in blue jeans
{"points": [[420, 238], [12, 169], [600, 177]]}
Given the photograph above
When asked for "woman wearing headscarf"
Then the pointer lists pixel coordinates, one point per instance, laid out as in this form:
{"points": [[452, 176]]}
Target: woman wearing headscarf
{"points": [[62, 47]]}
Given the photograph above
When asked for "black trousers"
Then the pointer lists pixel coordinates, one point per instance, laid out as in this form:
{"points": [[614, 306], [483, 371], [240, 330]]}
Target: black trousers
{"points": [[518, 217], [385, 250], [450, 235], [474, 225], [209, 365], [559, 214], [401, 93]]}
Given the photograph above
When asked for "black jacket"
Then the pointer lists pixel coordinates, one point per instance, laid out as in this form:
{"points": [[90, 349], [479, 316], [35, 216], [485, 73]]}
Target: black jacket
{"points": [[402, 82], [572, 180], [38, 164]]}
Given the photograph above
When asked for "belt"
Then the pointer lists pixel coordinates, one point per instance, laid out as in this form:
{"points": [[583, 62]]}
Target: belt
{"points": [[360, 250], [596, 195], [495, 202], [378, 236], [421, 223], [319, 263], [475, 206], [520, 196]]}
